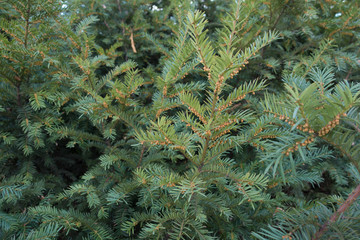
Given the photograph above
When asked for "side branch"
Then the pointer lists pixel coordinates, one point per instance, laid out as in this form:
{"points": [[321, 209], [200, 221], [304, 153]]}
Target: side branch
{"points": [[349, 201], [132, 42]]}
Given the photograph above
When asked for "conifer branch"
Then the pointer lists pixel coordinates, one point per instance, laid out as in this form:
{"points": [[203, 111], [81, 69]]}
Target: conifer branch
{"points": [[349, 201], [324, 47], [233, 30], [343, 151], [182, 157], [141, 156], [27, 23], [283, 7]]}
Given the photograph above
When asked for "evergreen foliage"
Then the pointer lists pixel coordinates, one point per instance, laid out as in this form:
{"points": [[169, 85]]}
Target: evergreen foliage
{"points": [[149, 119]]}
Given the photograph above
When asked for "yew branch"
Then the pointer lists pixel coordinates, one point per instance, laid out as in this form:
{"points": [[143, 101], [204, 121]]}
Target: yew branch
{"points": [[349, 201]]}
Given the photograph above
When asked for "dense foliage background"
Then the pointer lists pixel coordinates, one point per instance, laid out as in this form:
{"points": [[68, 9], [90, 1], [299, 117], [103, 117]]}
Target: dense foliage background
{"points": [[205, 119]]}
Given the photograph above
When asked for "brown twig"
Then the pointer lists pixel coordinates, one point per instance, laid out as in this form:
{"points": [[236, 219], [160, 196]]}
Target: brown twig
{"points": [[356, 127], [107, 25], [141, 156], [349, 201], [18, 95], [132, 41], [349, 73], [27, 20], [279, 16]]}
